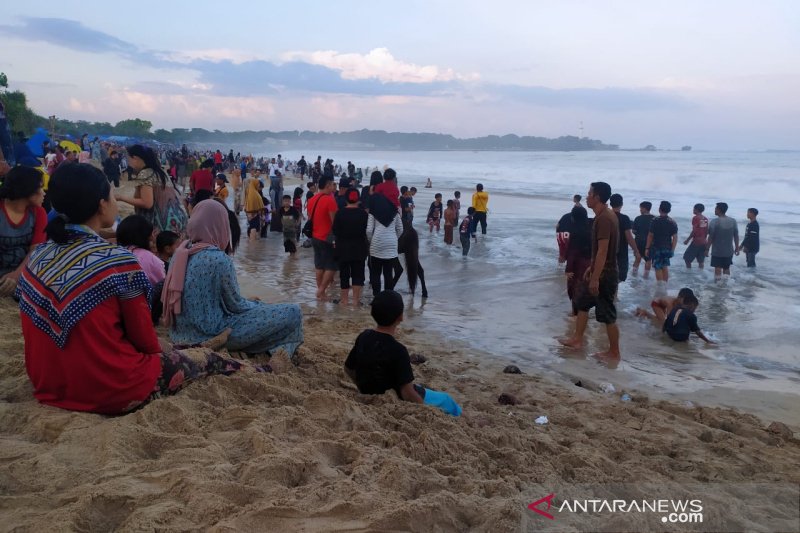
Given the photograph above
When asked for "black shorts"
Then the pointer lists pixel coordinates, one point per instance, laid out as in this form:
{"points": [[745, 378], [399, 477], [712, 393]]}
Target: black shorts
{"points": [[622, 267], [642, 246], [605, 311], [324, 257], [721, 262], [695, 252]]}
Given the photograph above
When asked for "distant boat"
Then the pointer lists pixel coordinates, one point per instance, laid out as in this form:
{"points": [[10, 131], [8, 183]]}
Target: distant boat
{"points": [[686, 148]]}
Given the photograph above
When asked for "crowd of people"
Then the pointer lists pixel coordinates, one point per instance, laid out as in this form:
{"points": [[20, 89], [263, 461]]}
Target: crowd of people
{"points": [[90, 282], [92, 287], [596, 254]]}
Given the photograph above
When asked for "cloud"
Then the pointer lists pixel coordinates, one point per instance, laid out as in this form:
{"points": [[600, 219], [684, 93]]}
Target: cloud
{"points": [[229, 73], [604, 99], [380, 64]]}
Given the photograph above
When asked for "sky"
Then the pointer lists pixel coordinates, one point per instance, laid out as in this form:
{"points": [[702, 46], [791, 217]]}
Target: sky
{"points": [[711, 74]]}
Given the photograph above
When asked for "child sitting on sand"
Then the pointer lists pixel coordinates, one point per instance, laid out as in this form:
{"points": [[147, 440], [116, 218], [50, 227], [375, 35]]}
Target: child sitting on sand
{"points": [[378, 362], [166, 243], [682, 321], [135, 233]]}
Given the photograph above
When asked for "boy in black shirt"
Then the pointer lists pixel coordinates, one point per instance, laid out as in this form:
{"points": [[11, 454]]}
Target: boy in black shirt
{"points": [[682, 322], [661, 241], [378, 362], [751, 243], [641, 227], [464, 231]]}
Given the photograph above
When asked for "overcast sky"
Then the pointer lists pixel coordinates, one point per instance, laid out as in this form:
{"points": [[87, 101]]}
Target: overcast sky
{"points": [[712, 74]]}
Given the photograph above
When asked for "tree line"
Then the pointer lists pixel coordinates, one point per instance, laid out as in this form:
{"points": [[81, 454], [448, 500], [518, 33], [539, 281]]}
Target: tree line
{"points": [[22, 118]]}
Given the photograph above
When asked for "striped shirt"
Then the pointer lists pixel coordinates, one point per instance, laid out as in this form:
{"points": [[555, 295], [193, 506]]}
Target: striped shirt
{"points": [[383, 239]]}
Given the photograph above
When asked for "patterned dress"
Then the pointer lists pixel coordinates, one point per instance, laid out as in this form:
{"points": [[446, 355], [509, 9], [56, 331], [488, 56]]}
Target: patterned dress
{"points": [[211, 303]]}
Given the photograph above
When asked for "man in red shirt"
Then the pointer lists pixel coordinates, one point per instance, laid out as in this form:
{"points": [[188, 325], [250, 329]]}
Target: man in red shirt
{"points": [[202, 178], [322, 208], [698, 237]]}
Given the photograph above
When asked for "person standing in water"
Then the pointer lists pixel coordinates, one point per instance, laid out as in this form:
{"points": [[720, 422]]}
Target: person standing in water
{"points": [[723, 241], [602, 274], [480, 201]]}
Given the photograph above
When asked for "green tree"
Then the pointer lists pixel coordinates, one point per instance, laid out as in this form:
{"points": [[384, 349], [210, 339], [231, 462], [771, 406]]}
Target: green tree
{"points": [[20, 116], [133, 127]]}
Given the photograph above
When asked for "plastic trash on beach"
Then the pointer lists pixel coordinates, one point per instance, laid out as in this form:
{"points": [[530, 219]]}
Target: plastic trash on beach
{"points": [[626, 397], [608, 388], [542, 420]]}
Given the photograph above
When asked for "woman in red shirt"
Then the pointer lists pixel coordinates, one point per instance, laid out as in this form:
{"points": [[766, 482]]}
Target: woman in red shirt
{"points": [[90, 344]]}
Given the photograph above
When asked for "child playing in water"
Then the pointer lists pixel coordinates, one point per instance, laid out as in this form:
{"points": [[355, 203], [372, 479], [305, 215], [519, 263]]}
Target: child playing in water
{"points": [[435, 213], [465, 231], [682, 321], [450, 221], [378, 362], [664, 305]]}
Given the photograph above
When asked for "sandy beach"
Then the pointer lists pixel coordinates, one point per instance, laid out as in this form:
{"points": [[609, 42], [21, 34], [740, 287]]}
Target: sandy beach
{"points": [[303, 451]]}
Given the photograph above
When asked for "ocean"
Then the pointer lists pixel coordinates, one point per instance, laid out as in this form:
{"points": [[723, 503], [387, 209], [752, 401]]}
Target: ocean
{"points": [[508, 298]]}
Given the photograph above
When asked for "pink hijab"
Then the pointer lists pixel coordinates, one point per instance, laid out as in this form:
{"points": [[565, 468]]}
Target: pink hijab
{"points": [[208, 227]]}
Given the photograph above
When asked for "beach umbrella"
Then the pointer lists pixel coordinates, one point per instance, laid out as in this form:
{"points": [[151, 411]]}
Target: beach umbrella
{"points": [[70, 146]]}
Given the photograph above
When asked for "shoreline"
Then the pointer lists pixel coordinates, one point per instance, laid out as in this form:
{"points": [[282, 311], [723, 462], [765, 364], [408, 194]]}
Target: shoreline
{"points": [[305, 451]]}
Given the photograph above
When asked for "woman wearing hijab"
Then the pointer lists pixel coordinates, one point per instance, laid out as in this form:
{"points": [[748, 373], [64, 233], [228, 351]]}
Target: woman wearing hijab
{"points": [[253, 208], [90, 344], [201, 294], [384, 227]]}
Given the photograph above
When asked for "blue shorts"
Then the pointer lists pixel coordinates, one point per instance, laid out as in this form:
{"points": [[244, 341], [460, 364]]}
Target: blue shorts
{"points": [[660, 257]]}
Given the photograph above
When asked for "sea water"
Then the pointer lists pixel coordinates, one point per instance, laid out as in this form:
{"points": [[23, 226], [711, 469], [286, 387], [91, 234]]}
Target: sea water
{"points": [[508, 297]]}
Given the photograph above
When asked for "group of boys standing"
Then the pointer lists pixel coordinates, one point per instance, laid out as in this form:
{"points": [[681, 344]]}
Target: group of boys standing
{"points": [[653, 239]]}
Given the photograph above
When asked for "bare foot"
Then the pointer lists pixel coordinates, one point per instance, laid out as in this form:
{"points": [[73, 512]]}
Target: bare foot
{"points": [[218, 342], [280, 362], [572, 343], [608, 358]]}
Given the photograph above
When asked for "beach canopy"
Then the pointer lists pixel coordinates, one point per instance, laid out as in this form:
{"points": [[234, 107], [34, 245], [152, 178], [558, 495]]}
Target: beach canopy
{"points": [[36, 140]]}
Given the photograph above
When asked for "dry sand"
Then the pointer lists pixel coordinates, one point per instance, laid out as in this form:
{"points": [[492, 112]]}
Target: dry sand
{"points": [[305, 452]]}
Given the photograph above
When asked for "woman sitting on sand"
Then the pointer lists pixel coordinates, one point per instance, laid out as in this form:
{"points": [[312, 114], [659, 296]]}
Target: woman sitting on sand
{"points": [[201, 294], [22, 223], [90, 344]]}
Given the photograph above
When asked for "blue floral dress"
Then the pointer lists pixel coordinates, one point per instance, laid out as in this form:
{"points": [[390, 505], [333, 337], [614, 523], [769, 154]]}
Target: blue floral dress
{"points": [[211, 303]]}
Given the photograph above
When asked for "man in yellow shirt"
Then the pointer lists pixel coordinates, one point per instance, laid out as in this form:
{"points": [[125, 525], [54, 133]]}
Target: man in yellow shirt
{"points": [[480, 200]]}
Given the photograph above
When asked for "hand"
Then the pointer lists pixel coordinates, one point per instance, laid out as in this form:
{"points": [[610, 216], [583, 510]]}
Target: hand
{"points": [[706, 252], [570, 275], [4, 168], [586, 274], [594, 286], [561, 259], [7, 285], [736, 252]]}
